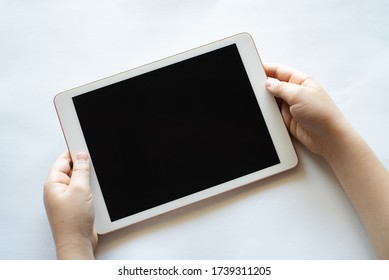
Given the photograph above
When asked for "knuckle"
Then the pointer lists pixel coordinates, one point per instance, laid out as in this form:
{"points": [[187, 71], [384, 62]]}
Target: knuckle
{"points": [[81, 167]]}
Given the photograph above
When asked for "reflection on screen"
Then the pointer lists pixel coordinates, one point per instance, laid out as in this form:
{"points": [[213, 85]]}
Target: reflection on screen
{"points": [[174, 131]]}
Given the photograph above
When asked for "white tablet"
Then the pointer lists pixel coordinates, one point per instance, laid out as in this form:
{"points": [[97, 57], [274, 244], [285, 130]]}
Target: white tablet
{"points": [[176, 131]]}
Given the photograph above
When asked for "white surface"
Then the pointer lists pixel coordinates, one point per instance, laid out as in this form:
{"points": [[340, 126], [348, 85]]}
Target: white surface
{"points": [[51, 46]]}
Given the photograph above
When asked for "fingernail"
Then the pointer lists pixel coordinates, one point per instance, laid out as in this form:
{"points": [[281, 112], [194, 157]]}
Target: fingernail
{"points": [[270, 82], [82, 157]]}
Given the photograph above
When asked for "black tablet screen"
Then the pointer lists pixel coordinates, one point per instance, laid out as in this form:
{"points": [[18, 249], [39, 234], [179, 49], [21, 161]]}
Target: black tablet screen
{"points": [[174, 131]]}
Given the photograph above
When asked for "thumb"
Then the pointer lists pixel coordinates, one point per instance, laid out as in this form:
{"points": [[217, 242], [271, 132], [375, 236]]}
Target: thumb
{"points": [[81, 172], [284, 90]]}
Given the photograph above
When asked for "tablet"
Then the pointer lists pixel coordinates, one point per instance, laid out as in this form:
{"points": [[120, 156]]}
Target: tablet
{"points": [[176, 131]]}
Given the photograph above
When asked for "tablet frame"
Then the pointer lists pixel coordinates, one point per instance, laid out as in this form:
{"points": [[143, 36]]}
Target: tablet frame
{"points": [[75, 140]]}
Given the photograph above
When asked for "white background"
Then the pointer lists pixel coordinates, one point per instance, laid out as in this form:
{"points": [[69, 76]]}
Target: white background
{"points": [[51, 46]]}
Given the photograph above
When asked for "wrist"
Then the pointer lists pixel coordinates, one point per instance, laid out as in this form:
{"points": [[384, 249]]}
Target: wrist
{"points": [[73, 247], [341, 136]]}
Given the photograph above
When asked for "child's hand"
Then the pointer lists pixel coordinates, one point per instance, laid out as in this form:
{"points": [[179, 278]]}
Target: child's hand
{"points": [[69, 207], [316, 122], [309, 113]]}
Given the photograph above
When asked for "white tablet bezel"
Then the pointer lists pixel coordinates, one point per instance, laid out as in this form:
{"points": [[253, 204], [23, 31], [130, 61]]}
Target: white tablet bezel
{"points": [[278, 132]]}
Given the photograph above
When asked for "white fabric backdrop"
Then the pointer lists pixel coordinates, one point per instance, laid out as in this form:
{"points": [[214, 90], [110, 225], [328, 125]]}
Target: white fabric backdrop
{"points": [[50, 46]]}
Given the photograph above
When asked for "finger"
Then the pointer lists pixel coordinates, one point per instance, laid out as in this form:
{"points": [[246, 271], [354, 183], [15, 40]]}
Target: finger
{"points": [[285, 91], [81, 172], [280, 72], [63, 163], [61, 167], [285, 73], [58, 178], [286, 115]]}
